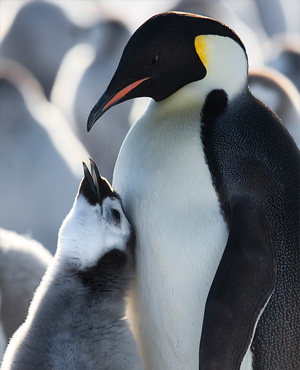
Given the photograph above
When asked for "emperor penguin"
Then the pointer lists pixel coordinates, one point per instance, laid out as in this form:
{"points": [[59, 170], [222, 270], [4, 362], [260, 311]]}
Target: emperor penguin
{"points": [[76, 319], [215, 202]]}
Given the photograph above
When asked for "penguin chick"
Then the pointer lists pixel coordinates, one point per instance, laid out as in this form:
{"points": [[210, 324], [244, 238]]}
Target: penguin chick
{"points": [[2, 335], [76, 319], [23, 262]]}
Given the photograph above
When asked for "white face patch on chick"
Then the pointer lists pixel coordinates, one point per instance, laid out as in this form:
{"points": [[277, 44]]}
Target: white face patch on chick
{"points": [[95, 225]]}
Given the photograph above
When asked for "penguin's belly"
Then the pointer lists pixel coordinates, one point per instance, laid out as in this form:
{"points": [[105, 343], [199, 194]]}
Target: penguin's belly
{"points": [[168, 194]]}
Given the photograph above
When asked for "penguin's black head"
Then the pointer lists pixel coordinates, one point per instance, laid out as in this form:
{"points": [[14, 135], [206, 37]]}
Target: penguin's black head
{"points": [[161, 57]]}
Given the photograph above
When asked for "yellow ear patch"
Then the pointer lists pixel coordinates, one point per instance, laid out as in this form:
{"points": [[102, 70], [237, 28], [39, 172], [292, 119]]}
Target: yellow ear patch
{"points": [[201, 46]]}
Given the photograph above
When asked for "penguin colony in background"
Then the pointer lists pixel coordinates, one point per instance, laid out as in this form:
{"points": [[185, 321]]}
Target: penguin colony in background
{"points": [[210, 179], [34, 135], [281, 95], [23, 262], [75, 320]]}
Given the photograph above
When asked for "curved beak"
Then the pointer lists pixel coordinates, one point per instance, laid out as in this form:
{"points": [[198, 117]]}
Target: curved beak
{"points": [[109, 99], [102, 185], [93, 186]]}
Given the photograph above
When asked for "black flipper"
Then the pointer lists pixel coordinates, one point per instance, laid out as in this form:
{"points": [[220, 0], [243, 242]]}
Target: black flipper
{"points": [[243, 283]]}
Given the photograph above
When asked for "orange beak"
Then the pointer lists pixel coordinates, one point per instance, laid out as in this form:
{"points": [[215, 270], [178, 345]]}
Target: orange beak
{"points": [[106, 102]]}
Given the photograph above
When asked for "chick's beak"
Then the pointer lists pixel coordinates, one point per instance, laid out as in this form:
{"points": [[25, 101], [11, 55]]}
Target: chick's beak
{"points": [[93, 186], [88, 188], [102, 185]]}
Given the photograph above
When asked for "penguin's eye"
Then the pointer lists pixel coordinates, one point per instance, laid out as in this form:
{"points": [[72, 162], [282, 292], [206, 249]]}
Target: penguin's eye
{"points": [[116, 215], [155, 59]]}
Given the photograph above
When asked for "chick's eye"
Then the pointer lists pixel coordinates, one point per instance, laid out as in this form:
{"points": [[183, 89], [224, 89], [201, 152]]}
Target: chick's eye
{"points": [[155, 59], [116, 215]]}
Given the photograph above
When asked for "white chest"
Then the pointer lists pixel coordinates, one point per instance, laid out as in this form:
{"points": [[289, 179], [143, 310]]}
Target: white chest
{"points": [[168, 195]]}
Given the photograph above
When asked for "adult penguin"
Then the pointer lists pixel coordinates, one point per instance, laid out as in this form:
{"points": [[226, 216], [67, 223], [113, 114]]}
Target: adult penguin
{"points": [[210, 179]]}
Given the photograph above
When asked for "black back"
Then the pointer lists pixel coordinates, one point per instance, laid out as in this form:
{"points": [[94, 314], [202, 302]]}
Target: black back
{"points": [[255, 166]]}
